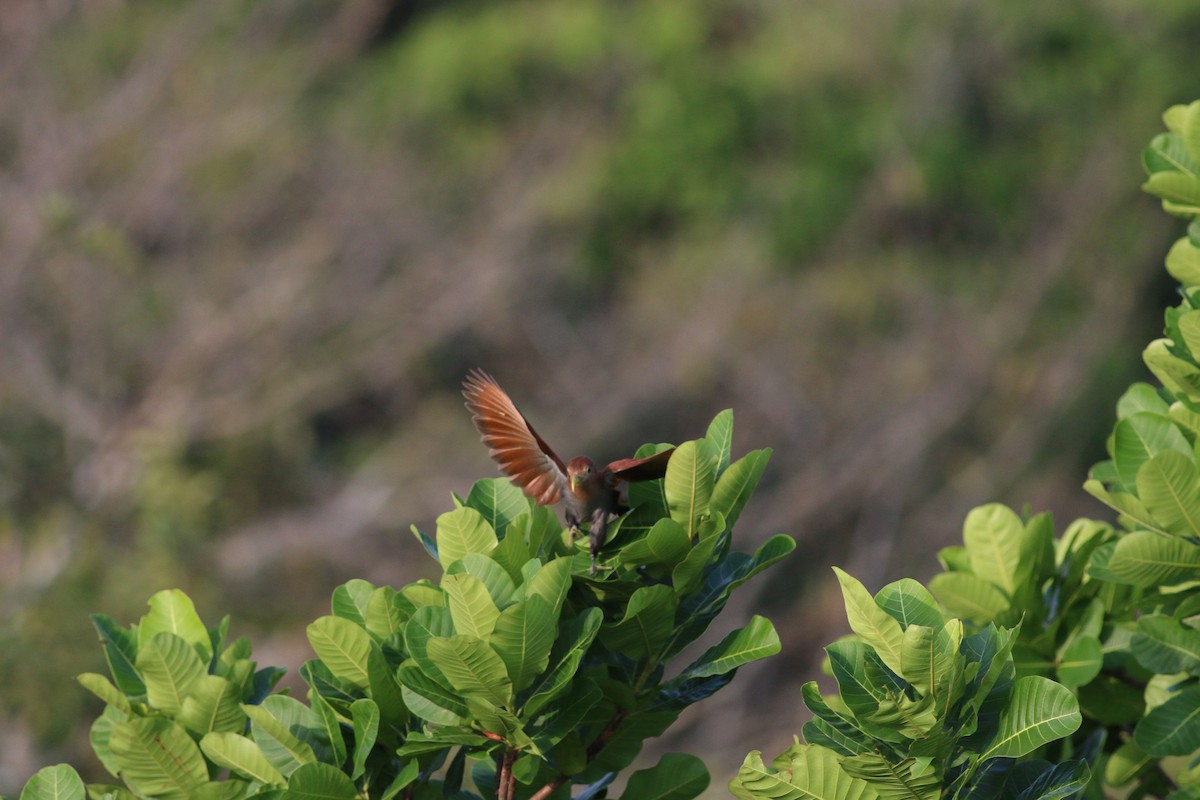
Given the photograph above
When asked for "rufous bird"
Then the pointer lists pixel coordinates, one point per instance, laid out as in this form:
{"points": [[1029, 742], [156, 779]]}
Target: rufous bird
{"points": [[587, 492]]}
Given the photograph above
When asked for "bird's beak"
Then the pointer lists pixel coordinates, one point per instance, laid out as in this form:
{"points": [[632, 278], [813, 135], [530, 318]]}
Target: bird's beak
{"points": [[574, 482]]}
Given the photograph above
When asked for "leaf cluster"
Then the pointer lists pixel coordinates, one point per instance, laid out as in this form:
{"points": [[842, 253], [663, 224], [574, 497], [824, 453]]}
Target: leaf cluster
{"points": [[518, 674]]}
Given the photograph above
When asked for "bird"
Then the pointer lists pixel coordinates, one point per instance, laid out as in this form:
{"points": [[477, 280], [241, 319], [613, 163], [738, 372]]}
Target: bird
{"points": [[586, 491]]}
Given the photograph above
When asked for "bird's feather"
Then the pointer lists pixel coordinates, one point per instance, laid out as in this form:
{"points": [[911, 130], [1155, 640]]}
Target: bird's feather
{"points": [[641, 469]]}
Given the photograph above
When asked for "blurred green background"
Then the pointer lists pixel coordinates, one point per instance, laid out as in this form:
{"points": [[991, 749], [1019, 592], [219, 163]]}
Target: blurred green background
{"points": [[248, 250]]}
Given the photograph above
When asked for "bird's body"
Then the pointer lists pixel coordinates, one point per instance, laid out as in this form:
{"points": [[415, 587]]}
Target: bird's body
{"points": [[587, 492]]}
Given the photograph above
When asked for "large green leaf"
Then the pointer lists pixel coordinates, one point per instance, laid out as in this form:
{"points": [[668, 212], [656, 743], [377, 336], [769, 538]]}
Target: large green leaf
{"points": [[447, 703], [157, 757], [929, 654], [344, 647], [473, 668], [471, 606], [993, 535], [332, 728], [1141, 435], [737, 483], [1168, 484], [364, 715], [1141, 397], [648, 621], [1183, 262], [894, 781], [427, 623], [756, 640], [351, 599], [212, 704], [910, 603], [241, 755], [284, 740], [568, 714], [496, 578], [666, 543], [172, 611], [574, 638], [54, 783], [969, 596], [170, 666], [319, 781], [1164, 645], [800, 773], [689, 484], [523, 637], [387, 612], [876, 627], [1038, 711], [676, 776], [552, 582], [1173, 728], [101, 687], [1079, 661], [498, 501], [463, 531], [1143, 558], [120, 650]]}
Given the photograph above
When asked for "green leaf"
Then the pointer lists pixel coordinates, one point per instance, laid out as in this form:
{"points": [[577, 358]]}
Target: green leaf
{"points": [[1079, 661], [170, 666], [552, 582], [471, 606], [910, 603], [1190, 132], [648, 621], [427, 623], [689, 484], [1141, 397], [756, 640], [993, 534], [876, 627], [666, 543], [1163, 645], [720, 436], [54, 783], [350, 600], [1167, 483], [523, 637], [929, 654], [737, 483], [568, 714], [894, 781], [120, 650], [319, 781], [806, 771], [473, 668], [575, 637], [213, 704], [498, 501], [387, 611], [1174, 187], [364, 715], [278, 729], [1140, 436], [1183, 262], [676, 776], [241, 755], [157, 757], [331, 728], [172, 611], [103, 688], [1125, 764], [968, 596], [1173, 728], [499, 583], [461, 532], [344, 647], [1038, 711], [414, 680], [1143, 558]]}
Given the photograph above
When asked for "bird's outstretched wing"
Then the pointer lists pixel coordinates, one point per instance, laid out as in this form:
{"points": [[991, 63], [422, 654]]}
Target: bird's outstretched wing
{"points": [[641, 469], [512, 442]]}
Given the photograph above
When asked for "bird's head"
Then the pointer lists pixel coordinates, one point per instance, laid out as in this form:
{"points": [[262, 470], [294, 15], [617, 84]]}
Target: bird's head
{"points": [[579, 470]]}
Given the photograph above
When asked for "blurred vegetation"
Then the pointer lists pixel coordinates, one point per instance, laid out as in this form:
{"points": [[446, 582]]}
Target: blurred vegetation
{"points": [[247, 251]]}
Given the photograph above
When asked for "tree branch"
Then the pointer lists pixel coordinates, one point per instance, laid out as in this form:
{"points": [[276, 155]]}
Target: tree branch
{"points": [[593, 750]]}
